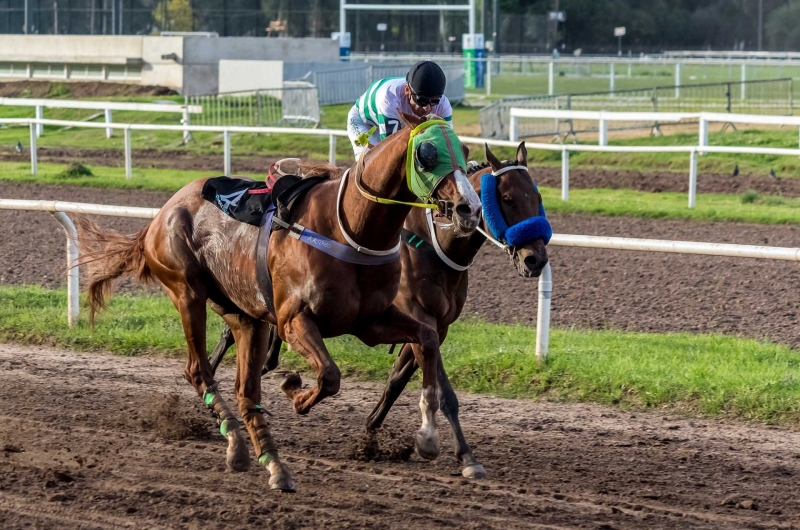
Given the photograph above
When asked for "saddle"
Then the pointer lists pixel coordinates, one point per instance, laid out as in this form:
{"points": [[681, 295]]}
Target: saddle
{"points": [[247, 200]]}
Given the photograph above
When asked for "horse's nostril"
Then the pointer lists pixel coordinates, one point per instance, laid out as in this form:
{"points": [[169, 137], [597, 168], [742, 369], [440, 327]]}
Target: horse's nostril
{"points": [[463, 210], [531, 262]]}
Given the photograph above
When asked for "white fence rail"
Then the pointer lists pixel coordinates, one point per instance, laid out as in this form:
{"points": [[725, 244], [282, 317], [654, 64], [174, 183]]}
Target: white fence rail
{"points": [[704, 118], [106, 106], [226, 131], [128, 127], [59, 210]]}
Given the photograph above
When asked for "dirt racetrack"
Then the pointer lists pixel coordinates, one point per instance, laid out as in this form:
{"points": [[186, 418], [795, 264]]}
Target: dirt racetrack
{"points": [[97, 441]]}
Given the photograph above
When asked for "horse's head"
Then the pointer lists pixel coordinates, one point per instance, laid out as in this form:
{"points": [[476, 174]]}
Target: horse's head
{"points": [[513, 212], [436, 172]]}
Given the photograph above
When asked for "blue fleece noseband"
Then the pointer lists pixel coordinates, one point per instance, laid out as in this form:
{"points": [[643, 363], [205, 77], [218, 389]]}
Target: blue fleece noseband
{"points": [[537, 227]]}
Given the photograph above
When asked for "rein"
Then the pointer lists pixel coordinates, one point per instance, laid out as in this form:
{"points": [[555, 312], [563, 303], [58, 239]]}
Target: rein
{"points": [[350, 240]]}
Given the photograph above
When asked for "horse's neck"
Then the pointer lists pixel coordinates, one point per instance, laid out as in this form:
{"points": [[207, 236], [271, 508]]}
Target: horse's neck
{"points": [[373, 225], [459, 249]]}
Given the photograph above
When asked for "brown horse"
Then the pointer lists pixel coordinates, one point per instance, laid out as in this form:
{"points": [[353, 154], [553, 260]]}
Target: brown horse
{"points": [[201, 256], [440, 302]]}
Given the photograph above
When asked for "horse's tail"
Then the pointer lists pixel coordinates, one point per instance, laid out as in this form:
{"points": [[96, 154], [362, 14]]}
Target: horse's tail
{"points": [[109, 254]]}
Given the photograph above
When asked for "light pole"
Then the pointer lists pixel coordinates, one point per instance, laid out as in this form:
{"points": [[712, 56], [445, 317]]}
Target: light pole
{"points": [[760, 23]]}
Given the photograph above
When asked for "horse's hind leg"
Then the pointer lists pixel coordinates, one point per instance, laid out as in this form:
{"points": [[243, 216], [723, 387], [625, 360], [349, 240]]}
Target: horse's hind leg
{"points": [[302, 333], [403, 369], [226, 340], [192, 308], [253, 340]]}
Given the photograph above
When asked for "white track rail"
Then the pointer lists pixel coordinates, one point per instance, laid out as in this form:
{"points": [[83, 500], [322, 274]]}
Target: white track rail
{"points": [[59, 209], [516, 113], [603, 117], [106, 106]]}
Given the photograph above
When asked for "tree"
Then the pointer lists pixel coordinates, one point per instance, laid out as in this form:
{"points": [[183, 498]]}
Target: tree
{"points": [[174, 15]]}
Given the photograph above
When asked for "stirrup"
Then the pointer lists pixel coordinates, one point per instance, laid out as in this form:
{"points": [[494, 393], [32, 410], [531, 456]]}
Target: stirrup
{"points": [[276, 170]]}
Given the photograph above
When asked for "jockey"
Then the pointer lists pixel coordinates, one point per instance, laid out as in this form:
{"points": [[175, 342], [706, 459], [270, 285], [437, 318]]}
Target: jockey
{"points": [[376, 113]]}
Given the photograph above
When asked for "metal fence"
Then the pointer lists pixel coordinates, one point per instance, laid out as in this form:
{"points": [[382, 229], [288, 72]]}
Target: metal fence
{"points": [[295, 104], [345, 82], [772, 97]]}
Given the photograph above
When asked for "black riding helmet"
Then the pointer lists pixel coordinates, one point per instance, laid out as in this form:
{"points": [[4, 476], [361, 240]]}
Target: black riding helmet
{"points": [[426, 79]]}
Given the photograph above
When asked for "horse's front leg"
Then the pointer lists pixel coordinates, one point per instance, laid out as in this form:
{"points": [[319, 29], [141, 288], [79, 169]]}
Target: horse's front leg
{"points": [[394, 327], [303, 334]]}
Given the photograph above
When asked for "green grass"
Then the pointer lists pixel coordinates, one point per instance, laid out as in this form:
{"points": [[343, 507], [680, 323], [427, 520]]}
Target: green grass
{"points": [[107, 177], [709, 207], [527, 80], [700, 374]]}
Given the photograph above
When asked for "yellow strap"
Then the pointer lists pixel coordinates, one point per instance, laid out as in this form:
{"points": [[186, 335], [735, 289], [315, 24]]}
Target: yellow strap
{"points": [[363, 138], [381, 200]]}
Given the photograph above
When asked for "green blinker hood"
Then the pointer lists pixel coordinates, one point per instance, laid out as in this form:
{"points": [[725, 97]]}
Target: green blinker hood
{"points": [[449, 157]]}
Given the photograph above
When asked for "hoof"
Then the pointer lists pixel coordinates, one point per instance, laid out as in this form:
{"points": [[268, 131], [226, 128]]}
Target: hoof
{"points": [[292, 384], [280, 478], [238, 455], [427, 447], [475, 471]]}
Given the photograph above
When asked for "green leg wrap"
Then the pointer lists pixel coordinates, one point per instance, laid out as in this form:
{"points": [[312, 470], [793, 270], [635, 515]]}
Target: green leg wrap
{"points": [[267, 457], [225, 417]]}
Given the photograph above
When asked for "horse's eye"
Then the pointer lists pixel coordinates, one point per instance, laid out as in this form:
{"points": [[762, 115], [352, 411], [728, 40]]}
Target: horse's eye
{"points": [[507, 199]]}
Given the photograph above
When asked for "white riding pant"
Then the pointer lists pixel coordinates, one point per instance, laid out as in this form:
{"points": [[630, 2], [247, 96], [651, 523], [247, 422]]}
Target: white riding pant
{"points": [[357, 127]]}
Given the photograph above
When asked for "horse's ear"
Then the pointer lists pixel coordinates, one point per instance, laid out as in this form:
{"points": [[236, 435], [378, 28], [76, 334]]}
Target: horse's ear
{"points": [[522, 154], [410, 120], [465, 150], [493, 161]]}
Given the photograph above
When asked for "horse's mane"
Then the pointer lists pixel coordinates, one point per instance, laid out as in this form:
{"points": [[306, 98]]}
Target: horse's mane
{"points": [[320, 170], [474, 169]]}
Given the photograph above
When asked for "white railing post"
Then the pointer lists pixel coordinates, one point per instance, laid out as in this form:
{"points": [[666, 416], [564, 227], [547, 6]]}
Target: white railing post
{"points": [[39, 116], [488, 77], [226, 135], [34, 168], [543, 314], [677, 80], [73, 286], [186, 121], [128, 156], [693, 178], [564, 174], [332, 149], [109, 130], [702, 133], [611, 79], [550, 77], [602, 131], [744, 78], [512, 128]]}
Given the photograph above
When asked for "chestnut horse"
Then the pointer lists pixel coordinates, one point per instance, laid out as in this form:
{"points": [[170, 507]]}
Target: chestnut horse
{"points": [[201, 256], [440, 302]]}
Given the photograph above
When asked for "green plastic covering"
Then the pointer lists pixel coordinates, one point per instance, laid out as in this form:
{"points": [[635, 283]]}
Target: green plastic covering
{"points": [[450, 156]]}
